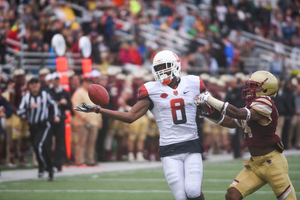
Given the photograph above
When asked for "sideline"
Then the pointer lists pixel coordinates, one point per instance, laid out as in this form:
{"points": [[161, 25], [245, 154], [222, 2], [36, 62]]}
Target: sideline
{"points": [[26, 174]]}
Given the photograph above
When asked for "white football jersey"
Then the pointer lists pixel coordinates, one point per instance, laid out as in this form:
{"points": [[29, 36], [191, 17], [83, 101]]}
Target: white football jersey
{"points": [[174, 109]]}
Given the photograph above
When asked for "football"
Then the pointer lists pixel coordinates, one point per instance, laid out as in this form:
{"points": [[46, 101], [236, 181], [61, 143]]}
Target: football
{"points": [[98, 95]]}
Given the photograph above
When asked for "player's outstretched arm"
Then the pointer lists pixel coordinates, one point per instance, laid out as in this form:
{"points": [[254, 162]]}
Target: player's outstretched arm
{"points": [[215, 116], [225, 108], [138, 110]]}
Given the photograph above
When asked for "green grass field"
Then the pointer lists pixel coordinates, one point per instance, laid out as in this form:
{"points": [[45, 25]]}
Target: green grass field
{"points": [[147, 184]]}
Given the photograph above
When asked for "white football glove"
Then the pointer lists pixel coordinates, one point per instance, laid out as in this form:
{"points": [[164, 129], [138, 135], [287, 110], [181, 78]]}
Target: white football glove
{"points": [[202, 98]]}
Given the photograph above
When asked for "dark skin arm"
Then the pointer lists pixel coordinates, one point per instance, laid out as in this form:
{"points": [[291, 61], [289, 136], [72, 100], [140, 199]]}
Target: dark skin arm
{"points": [[233, 113], [241, 113], [137, 111]]}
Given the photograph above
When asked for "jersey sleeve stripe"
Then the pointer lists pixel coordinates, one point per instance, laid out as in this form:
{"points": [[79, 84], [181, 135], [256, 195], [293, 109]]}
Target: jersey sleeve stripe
{"points": [[266, 108], [264, 101], [261, 102], [143, 92], [202, 86]]}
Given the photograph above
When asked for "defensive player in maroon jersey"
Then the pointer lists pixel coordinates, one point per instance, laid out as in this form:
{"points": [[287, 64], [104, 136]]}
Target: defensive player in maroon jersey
{"points": [[258, 119]]}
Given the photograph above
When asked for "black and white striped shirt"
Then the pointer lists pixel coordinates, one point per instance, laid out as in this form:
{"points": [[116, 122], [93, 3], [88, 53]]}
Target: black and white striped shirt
{"points": [[41, 113]]}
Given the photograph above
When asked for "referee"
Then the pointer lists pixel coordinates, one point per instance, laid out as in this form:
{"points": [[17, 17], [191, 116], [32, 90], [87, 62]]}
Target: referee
{"points": [[34, 107]]}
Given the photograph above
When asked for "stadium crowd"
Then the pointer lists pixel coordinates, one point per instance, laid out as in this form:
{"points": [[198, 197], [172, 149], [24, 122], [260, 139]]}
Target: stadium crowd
{"points": [[221, 68]]}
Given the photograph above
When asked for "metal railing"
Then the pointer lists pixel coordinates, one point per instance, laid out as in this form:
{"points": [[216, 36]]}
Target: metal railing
{"points": [[270, 47]]}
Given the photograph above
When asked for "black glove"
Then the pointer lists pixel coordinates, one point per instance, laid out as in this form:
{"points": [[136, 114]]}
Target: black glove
{"points": [[87, 108], [209, 112]]}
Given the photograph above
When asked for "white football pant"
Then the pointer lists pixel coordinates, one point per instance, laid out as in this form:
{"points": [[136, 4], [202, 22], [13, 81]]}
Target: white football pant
{"points": [[184, 173]]}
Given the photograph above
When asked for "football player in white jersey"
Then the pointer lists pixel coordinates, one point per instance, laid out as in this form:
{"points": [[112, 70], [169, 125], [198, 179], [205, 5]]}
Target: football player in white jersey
{"points": [[171, 100]]}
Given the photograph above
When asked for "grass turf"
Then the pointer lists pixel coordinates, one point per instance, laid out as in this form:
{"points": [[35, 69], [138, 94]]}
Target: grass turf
{"points": [[146, 184]]}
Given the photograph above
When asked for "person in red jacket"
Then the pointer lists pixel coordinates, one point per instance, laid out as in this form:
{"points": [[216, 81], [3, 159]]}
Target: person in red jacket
{"points": [[135, 55], [13, 35]]}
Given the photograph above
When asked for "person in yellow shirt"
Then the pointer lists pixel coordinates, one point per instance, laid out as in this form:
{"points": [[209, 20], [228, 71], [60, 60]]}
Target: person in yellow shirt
{"points": [[68, 14], [86, 126]]}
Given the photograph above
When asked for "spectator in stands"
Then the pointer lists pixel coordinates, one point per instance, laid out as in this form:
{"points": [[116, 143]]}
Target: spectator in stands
{"points": [[86, 127], [276, 26], [221, 11], [295, 9], [155, 20], [262, 14], [69, 42], [232, 19], [287, 15], [13, 34], [109, 26], [124, 55], [75, 47], [189, 20], [219, 53], [276, 65], [288, 31], [50, 8], [93, 27], [165, 8], [229, 52], [135, 55], [4, 5], [66, 13], [29, 16], [96, 54], [198, 62]]}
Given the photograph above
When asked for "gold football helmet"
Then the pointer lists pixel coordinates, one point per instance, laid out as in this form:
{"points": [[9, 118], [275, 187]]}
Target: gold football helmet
{"points": [[261, 83]]}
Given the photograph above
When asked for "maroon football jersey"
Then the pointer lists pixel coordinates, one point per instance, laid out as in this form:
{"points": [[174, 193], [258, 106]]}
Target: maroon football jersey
{"points": [[135, 96], [115, 90], [257, 135]]}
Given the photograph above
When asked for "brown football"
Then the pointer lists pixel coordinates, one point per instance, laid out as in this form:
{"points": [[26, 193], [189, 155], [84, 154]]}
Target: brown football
{"points": [[98, 95]]}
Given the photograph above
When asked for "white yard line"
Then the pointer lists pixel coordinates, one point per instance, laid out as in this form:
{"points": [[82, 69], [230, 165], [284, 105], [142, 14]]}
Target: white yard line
{"points": [[118, 191], [93, 178]]}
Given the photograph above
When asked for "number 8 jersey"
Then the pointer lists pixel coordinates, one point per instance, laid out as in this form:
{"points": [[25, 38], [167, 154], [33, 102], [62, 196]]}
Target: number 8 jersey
{"points": [[175, 114]]}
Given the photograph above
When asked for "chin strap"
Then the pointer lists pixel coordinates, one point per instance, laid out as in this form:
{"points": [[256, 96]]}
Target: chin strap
{"points": [[167, 81]]}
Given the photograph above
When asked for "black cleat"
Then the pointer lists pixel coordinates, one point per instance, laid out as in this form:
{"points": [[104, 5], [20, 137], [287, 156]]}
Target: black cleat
{"points": [[51, 175], [41, 174]]}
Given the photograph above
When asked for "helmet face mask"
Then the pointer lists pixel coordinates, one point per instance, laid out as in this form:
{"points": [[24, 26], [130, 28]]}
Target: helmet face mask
{"points": [[166, 66], [251, 88], [261, 83]]}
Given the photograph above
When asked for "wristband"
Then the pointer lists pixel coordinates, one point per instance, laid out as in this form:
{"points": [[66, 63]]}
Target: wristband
{"points": [[97, 109], [248, 114], [215, 103], [219, 122], [237, 122], [225, 107]]}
